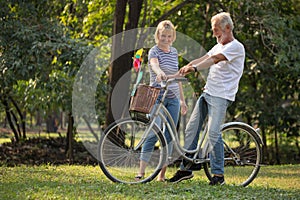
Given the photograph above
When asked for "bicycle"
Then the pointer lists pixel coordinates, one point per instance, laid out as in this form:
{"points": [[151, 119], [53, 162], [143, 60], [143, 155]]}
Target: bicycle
{"points": [[119, 148]]}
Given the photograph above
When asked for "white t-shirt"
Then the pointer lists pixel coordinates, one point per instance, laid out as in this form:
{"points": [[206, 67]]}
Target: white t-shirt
{"points": [[223, 78]]}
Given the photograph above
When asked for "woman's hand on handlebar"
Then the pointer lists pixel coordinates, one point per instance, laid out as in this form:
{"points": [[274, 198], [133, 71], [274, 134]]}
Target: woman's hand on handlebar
{"points": [[161, 77]]}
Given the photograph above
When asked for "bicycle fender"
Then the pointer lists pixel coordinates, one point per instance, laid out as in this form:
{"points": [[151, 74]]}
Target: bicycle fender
{"points": [[241, 124]]}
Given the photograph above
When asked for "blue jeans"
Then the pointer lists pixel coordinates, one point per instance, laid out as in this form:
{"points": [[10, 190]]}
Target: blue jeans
{"points": [[215, 109], [173, 106]]}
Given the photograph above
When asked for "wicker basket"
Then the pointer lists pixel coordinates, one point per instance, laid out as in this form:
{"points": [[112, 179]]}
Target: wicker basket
{"points": [[144, 99]]}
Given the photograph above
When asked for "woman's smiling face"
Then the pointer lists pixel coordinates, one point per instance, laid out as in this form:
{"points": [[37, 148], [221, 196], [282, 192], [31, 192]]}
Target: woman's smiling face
{"points": [[165, 37]]}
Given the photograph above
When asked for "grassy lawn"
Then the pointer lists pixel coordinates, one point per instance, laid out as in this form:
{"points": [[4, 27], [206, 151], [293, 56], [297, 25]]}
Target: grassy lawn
{"points": [[88, 182]]}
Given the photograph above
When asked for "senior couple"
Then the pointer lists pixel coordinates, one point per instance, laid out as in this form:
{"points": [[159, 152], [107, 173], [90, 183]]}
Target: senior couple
{"points": [[225, 62]]}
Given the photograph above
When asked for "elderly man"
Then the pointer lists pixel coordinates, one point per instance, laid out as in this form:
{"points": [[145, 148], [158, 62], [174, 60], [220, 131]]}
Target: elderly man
{"points": [[225, 62]]}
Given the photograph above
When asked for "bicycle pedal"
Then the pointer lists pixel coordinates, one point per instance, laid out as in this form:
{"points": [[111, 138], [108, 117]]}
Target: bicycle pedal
{"points": [[192, 166], [200, 160], [196, 167]]}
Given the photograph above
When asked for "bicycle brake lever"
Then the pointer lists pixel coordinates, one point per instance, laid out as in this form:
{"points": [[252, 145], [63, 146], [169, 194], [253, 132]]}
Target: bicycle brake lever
{"points": [[163, 84]]}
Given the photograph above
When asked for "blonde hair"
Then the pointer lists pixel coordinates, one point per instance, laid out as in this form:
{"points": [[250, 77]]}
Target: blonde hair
{"points": [[223, 19], [164, 25]]}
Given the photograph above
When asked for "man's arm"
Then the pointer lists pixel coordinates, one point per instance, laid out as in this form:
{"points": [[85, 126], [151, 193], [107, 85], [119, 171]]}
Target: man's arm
{"points": [[198, 60], [209, 61], [218, 58], [202, 63]]}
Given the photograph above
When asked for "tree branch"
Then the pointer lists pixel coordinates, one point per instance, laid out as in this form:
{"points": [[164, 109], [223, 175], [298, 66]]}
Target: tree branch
{"points": [[170, 12]]}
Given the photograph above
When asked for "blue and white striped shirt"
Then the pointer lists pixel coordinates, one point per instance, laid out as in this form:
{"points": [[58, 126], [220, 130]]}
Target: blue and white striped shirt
{"points": [[168, 63]]}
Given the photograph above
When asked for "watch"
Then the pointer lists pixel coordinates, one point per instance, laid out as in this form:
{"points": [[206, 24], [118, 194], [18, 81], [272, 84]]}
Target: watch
{"points": [[195, 68]]}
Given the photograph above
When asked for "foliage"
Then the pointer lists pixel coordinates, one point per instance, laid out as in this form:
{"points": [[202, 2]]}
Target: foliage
{"points": [[269, 89], [88, 182], [271, 73], [37, 53]]}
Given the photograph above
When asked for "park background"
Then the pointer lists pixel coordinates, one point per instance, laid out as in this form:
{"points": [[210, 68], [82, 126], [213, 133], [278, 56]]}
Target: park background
{"points": [[43, 44]]}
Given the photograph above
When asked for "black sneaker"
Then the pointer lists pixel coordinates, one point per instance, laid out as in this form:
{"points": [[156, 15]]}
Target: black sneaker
{"points": [[181, 175], [217, 180]]}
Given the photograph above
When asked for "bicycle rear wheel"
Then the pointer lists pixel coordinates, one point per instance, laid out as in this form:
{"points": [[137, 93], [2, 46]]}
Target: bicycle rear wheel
{"points": [[119, 151], [242, 154]]}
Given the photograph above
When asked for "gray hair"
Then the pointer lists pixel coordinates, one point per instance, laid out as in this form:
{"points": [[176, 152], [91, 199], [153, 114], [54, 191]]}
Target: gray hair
{"points": [[223, 19]]}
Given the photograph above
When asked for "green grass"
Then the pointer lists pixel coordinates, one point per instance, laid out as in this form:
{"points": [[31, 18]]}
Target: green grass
{"points": [[88, 182]]}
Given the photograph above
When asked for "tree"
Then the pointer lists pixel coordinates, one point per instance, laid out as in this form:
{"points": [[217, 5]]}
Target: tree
{"points": [[37, 50]]}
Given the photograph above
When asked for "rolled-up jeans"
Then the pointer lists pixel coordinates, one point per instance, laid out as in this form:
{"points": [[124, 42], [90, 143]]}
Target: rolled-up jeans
{"points": [[215, 109], [173, 106]]}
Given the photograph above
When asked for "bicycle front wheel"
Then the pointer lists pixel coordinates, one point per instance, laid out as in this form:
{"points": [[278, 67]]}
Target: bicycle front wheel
{"points": [[242, 154], [119, 151]]}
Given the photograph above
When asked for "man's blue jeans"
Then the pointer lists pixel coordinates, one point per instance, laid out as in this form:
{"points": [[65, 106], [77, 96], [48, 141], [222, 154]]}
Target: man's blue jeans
{"points": [[173, 106], [214, 108]]}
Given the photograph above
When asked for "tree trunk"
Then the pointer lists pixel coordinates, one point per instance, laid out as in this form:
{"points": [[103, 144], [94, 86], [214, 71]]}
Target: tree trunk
{"points": [[22, 118], [298, 148], [122, 53], [52, 122], [9, 115], [9, 119], [277, 155], [69, 142], [38, 117], [16, 123], [62, 120], [266, 157], [90, 127]]}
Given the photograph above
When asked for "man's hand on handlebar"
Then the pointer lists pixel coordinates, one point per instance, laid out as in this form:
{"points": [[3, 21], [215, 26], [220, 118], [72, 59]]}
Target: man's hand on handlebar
{"points": [[186, 70]]}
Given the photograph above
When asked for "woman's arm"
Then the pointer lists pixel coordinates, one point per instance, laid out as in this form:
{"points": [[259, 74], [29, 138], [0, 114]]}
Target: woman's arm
{"points": [[183, 105], [160, 75]]}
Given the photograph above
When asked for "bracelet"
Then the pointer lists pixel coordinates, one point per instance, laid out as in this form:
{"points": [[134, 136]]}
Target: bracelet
{"points": [[195, 68]]}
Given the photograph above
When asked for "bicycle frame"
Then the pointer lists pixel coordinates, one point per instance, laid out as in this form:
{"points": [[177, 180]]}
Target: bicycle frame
{"points": [[174, 134], [162, 112]]}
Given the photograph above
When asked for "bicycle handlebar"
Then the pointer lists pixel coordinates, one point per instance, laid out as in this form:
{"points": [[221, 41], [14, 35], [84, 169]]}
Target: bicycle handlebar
{"points": [[173, 78]]}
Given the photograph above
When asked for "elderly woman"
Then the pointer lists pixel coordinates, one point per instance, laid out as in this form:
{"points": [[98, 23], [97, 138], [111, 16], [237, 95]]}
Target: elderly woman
{"points": [[163, 61]]}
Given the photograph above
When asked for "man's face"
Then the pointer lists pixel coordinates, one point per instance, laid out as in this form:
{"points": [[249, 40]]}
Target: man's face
{"points": [[221, 34], [218, 32]]}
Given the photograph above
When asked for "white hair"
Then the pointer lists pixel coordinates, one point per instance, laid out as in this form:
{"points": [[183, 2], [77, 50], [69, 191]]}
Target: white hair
{"points": [[223, 19]]}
